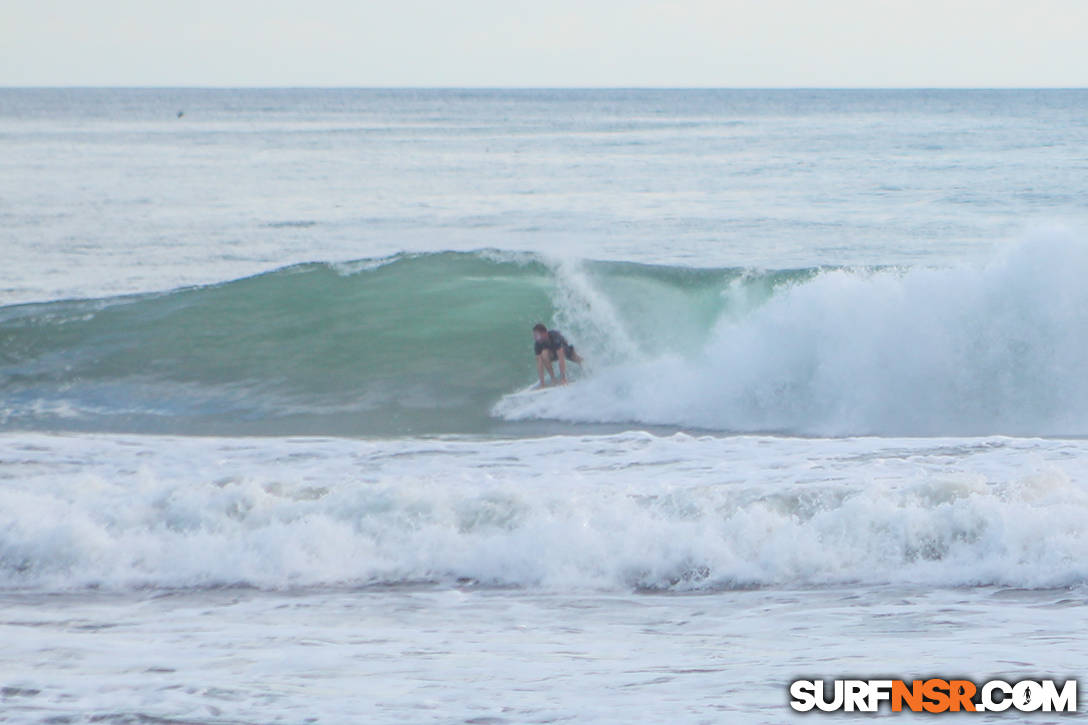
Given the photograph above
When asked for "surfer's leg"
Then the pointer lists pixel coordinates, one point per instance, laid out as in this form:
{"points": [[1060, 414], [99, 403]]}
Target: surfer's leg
{"points": [[540, 367], [544, 362], [562, 365]]}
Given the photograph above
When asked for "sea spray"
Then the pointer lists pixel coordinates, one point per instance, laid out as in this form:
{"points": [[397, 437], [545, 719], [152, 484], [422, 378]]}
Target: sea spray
{"points": [[965, 350]]}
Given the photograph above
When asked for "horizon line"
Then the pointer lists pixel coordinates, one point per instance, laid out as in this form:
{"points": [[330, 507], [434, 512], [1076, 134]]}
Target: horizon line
{"points": [[332, 87], [198, 86]]}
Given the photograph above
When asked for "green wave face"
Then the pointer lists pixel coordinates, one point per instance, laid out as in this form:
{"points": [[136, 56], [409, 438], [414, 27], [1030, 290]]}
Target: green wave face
{"points": [[413, 344], [433, 343]]}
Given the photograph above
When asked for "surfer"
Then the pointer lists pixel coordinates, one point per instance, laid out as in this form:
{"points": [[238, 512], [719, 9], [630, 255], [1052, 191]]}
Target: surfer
{"points": [[550, 345]]}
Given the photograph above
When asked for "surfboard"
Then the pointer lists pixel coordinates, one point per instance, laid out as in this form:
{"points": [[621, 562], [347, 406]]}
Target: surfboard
{"points": [[536, 388], [526, 402]]}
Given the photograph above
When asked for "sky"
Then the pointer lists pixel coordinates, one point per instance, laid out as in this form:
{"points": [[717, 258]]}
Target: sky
{"points": [[554, 43]]}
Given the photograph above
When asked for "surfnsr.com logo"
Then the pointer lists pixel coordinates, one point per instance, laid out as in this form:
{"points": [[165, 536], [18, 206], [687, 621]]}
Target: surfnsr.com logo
{"points": [[934, 695]]}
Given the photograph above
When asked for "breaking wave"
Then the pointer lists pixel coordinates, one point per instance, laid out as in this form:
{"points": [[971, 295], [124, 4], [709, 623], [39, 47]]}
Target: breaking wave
{"points": [[617, 512], [431, 343]]}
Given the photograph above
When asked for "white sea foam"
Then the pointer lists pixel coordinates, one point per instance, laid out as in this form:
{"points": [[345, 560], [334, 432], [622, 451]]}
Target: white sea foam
{"points": [[612, 512]]}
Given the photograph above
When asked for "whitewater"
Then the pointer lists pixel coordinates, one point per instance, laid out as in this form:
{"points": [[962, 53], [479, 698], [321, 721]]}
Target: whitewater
{"points": [[262, 457]]}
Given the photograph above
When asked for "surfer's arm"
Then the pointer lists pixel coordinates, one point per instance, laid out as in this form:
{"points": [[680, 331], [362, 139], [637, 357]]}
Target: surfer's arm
{"points": [[562, 366]]}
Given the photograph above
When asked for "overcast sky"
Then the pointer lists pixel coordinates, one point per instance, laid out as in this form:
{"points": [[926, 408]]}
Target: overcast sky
{"points": [[720, 43]]}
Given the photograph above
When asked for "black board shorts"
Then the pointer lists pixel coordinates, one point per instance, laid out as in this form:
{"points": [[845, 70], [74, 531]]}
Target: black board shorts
{"points": [[568, 350]]}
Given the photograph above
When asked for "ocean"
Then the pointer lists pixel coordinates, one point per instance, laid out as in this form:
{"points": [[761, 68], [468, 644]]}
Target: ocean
{"points": [[264, 458]]}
